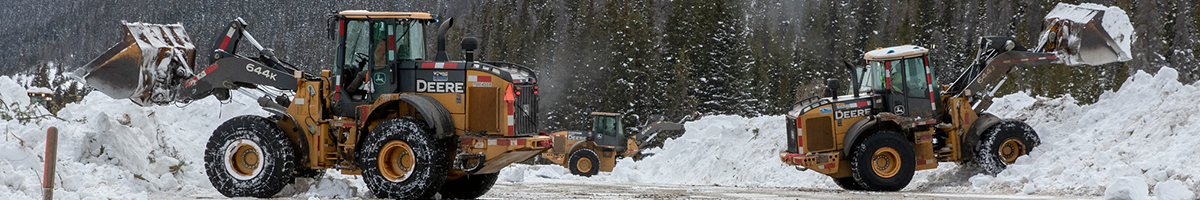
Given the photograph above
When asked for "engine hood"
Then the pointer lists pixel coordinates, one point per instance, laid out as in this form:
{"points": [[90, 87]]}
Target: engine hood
{"points": [[815, 102]]}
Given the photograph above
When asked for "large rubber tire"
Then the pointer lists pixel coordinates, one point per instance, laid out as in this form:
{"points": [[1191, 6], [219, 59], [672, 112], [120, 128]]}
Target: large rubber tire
{"points": [[1001, 144], [263, 152], [584, 162], [883, 162], [469, 186], [847, 183], [413, 149]]}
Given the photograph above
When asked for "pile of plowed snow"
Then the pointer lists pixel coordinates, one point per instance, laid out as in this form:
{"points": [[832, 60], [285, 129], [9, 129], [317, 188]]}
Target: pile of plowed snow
{"points": [[1137, 141], [1143, 134], [112, 148]]}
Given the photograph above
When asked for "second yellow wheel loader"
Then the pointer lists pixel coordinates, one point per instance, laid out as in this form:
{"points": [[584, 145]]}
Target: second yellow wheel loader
{"points": [[898, 120], [587, 153]]}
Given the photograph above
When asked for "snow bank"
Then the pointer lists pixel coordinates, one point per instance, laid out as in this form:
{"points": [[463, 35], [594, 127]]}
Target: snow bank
{"points": [[723, 150], [1143, 130], [112, 148]]}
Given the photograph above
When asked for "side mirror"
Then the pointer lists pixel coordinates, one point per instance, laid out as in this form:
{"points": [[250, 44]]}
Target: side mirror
{"points": [[833, 86], [332, 26]]}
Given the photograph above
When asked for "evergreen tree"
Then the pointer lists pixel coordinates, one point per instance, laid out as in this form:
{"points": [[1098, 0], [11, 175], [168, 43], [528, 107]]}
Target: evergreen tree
{"points": [[41, 77], [707, 32]]}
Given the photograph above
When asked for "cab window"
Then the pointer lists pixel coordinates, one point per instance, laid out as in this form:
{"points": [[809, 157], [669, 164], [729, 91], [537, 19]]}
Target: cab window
{"points": [[607, 125], [365, 45], [872, 79], [410, 41], [897, 74]]}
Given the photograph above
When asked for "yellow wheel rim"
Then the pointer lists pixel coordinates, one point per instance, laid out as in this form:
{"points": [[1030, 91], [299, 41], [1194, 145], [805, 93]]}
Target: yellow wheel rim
{"points": [[885, 162], [245, 160], [396, 161], [584, 165], [1011, 149]]}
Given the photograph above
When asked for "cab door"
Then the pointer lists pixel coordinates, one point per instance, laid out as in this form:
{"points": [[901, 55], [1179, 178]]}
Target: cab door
{"points": [[910, 88]]}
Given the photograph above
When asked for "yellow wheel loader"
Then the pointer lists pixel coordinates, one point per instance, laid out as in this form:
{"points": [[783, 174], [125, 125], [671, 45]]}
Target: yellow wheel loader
{"points": [[587, 153], [898, 120], [411, 127]]}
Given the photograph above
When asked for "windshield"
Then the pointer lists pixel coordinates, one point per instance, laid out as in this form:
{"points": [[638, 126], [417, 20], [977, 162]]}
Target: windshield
{"points": [[365, 43], [874, 79]]}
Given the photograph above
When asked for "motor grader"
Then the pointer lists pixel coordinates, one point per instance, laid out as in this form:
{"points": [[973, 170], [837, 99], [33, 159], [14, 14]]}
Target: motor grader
{"points": [[413, 128], [898, 120], [587, 153]]}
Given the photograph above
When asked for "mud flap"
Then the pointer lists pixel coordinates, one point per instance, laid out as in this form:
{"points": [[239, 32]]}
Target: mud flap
{"points": [[495, 164]]}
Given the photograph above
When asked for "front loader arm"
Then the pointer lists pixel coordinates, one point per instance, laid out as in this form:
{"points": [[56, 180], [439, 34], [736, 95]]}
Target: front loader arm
{"points": [[232, 73], [997, 58], [155, 65], [652, 130], [229, 45], [1074, 35]]}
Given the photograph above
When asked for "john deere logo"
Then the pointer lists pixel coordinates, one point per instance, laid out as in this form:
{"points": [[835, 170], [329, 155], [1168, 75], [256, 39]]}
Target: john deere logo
{"points": [[378, 78]]}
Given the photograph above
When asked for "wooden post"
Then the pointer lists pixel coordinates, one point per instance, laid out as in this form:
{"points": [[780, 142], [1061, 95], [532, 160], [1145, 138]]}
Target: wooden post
{"points": [[51, 151]]}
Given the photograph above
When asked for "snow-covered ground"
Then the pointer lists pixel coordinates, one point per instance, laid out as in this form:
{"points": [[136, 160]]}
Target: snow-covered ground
{"points": [[1136, 142]]}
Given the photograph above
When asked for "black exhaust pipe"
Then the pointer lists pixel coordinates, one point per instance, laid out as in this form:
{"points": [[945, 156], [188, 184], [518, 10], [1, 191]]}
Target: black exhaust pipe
{"points": [[441, 41]]}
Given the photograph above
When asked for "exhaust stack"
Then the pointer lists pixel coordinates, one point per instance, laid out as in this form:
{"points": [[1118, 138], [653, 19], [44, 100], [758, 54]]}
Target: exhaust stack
{"points": [[441, 41]]}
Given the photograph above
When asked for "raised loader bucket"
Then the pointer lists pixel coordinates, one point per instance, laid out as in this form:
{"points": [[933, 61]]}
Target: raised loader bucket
{"points": [[1088, 34], [146, 66]]}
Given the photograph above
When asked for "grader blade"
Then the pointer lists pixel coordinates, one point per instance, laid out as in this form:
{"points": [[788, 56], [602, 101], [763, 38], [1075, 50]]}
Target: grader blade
{"points": [[146, 66], [1088, 34]]}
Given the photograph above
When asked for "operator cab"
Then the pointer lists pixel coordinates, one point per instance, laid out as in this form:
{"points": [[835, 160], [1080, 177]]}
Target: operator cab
{"points": [[370, 42], [608, 130], [902, 75]]}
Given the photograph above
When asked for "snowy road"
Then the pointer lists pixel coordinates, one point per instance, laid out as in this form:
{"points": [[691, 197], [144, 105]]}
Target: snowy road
{"points": [[582, 189], [588, 189]]}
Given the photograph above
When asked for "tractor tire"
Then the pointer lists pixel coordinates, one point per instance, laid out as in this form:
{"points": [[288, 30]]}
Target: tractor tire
{"points": [[1001, 144], [249, 156], [584, 162], [469, 186], [400, 160], [847, 183], [883, 162]]}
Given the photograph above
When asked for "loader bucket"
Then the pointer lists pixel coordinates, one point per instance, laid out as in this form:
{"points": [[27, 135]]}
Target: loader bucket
{"points": [[1088, 34], [145, 67]]}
